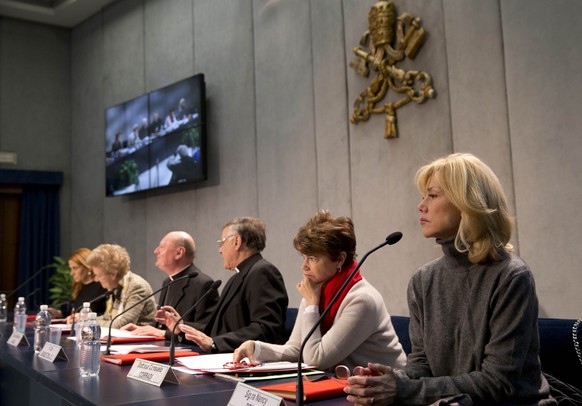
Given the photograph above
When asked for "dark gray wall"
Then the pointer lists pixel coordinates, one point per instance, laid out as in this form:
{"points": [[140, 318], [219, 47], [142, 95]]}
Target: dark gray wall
{"points": [[279, 95], [35, 109]]}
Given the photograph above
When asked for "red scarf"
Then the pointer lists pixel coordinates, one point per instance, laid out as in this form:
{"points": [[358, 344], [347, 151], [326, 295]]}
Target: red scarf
{"points": [[329, 290]]}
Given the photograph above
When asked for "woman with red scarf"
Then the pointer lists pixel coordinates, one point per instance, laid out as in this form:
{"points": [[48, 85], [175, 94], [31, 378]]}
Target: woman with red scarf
{"points": [[356, 329]]}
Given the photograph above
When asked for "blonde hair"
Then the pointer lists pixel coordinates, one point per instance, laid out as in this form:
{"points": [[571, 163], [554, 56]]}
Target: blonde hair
{"points": [[113, 258], [80, 257], [474, 189]]}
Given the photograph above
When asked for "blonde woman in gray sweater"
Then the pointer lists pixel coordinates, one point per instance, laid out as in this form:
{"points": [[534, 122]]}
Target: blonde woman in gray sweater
{"points": [[473, 311], [356, 329]]}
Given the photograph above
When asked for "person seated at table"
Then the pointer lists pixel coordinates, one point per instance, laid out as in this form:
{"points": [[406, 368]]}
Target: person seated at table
{"points": [[117, 144], [156, 125], [473, 311], [175, 257], [356, 329], [111, 267], [253, 302], [83, 289], [185, 164]]}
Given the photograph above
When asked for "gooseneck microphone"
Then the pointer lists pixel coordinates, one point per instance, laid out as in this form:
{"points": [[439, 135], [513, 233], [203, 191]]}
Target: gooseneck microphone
{"points": [[77, 309], [212, 287], [390, 240], [189, 276], [34, 275]]}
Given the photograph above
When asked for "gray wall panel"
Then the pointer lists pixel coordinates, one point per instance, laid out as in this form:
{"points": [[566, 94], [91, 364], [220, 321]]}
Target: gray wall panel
{"points": [[124, 78], [169, 42], [330, 107], [224, 52], [88, 127], [286, 160], [543, 58], [35, 109]]}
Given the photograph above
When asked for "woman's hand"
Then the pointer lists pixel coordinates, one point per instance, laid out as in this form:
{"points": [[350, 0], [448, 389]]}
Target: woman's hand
{"points": [[246, 350], [310, 291], [376, 384], [55, 314]]}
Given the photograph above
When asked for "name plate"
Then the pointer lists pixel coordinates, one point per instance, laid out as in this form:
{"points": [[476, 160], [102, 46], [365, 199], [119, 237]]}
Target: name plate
{"points": [[151, 373], [18, 340], [246, 395], [51, 352]]}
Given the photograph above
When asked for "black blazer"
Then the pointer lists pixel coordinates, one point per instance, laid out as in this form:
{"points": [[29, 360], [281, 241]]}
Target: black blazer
{"points": [[252, 306], [183, 294]]}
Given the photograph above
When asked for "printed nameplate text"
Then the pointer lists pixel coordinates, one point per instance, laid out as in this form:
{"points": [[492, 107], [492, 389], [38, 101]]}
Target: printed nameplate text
{"points": [[51, 352], [18, 340], [246, 395], [151, 373]]}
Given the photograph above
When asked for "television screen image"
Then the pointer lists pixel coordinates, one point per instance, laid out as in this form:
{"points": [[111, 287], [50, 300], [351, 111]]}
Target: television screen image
{"points": [[177, 106], [165, 150]]}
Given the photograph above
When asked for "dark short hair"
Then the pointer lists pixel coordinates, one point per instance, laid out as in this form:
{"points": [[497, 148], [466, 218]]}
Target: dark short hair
{"points": [[327, 235]]}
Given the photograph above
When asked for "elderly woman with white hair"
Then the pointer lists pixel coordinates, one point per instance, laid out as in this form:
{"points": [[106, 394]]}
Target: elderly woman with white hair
{"points": [[111, 268]]}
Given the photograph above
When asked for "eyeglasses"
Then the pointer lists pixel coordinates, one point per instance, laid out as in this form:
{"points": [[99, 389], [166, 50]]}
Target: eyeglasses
{"points": [[236, 365], [343, 372], [223, 240]]}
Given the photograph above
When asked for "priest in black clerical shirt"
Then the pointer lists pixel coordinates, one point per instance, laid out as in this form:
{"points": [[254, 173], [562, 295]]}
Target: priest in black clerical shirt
{"points": [[174, 256]]}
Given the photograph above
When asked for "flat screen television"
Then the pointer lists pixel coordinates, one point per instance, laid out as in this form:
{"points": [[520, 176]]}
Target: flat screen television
{"points": [[157, 140]]}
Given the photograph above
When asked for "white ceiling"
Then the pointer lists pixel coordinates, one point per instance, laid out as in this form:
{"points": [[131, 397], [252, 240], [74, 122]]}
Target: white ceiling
{"points": [[62, 13]]}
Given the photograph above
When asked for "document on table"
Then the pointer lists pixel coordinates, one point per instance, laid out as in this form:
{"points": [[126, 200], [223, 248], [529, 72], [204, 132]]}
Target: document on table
{"points": [[215, 363], [143, 348], [115, 332]]}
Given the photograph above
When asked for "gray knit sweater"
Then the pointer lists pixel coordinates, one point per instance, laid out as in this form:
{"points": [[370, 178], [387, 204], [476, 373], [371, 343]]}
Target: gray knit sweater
{"points": [[474, 330]]}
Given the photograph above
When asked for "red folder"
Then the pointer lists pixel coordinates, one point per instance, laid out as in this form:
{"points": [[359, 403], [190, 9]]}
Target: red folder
{"points": [[326, 388], [127, 359], [125, 340]]}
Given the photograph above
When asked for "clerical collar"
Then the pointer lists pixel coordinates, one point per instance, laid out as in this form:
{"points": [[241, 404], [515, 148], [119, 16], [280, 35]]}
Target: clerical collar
{"points": [[177, 274]]}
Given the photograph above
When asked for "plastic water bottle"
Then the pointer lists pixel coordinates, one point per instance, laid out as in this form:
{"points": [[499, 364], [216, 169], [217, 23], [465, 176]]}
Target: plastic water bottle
{"points": [[42, 328], [83, 313], [20, 315], [90, 346], [3, 308]]}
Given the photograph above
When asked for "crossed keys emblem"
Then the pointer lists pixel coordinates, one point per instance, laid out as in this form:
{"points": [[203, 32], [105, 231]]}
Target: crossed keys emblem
{"points": [[379, 51]]}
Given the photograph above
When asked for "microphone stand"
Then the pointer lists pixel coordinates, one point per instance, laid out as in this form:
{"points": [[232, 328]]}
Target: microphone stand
{"points": [[34, 275], [107, 351], [31, 294], [212, 287], [390, 240]]}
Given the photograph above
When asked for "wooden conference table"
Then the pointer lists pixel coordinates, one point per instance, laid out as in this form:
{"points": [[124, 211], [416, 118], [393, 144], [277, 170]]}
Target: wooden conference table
{"points": [[26, 379]]}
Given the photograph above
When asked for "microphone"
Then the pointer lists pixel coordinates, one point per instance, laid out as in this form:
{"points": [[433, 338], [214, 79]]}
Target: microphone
{"points": [[75, 310], [212, 287], [31, 294], [390, 240], [34, 275], [192, 275]]}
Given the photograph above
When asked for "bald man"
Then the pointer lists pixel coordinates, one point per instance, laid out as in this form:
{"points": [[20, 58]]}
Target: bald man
{"points": [[175, 257]]}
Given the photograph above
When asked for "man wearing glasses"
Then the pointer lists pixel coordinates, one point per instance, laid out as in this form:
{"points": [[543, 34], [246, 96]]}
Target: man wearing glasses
{"points": [[253, 302]]}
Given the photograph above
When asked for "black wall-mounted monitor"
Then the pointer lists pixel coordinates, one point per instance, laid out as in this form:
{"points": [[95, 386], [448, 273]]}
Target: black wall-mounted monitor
{"points": [[157, 140]]}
